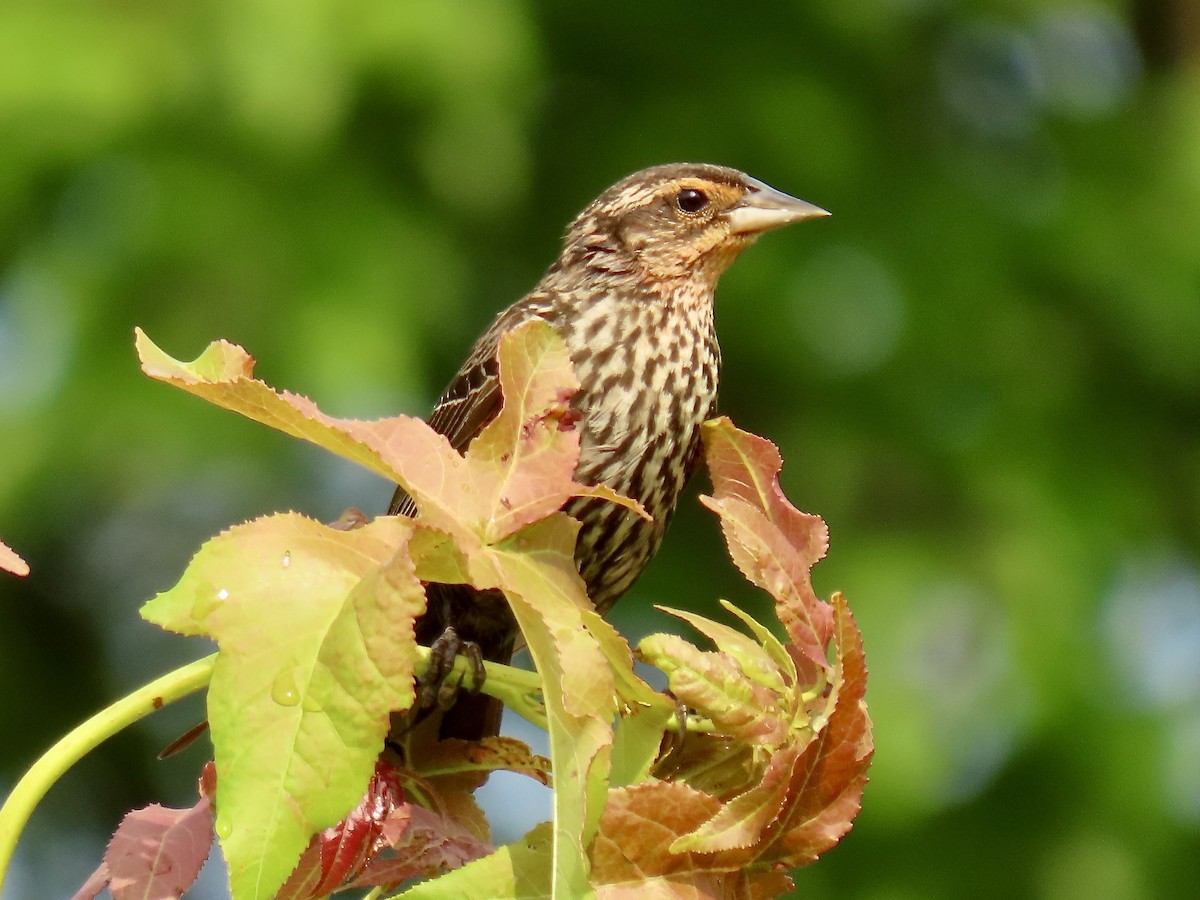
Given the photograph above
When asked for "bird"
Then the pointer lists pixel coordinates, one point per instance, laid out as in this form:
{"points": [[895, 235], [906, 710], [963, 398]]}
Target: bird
{"points": [[631, 295]]}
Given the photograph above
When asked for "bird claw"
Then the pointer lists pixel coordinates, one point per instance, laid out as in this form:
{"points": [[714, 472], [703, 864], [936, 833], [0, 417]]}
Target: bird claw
{"points": [[435, 689], [673, 740]]}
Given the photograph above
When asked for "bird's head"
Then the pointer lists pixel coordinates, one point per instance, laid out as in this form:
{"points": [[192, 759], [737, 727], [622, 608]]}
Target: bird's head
{"points": [[679, 221]]}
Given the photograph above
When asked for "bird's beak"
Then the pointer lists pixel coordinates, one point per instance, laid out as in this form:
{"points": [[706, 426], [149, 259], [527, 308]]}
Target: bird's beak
{"points": [[764, 208]]}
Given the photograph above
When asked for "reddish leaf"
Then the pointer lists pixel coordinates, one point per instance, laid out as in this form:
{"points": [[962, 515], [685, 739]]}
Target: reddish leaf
{"points": [[421, 843], [772, 543], [157, 853], [631, 855], [10, 562]]}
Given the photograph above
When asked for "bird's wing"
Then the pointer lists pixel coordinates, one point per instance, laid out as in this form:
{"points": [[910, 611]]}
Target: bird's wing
{"points": [[473, 397]]}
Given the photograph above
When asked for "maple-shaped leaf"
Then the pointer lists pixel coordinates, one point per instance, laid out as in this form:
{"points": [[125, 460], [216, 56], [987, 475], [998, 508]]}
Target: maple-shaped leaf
{"points": [[10, 562], [634, 853], [315, 630], [156, 852], [224, 376], [771, 542], [519, 469]]}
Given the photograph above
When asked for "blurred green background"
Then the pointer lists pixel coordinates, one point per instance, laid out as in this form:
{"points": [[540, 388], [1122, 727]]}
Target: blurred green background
{"points": [[983, 371]]}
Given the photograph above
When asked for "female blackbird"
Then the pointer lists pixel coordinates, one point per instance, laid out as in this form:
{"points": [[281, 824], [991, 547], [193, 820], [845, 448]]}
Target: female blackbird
{"points": [[632, 297]]}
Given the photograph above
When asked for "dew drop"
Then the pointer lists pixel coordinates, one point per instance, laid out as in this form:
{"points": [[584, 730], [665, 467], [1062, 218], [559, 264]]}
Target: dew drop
{"points": [[287, 558], [284, 690], [224, 828], [222, 595]]}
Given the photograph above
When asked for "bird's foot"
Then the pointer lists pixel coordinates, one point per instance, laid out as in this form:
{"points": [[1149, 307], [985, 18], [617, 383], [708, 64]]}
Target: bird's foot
{"points": [[434, 687]]}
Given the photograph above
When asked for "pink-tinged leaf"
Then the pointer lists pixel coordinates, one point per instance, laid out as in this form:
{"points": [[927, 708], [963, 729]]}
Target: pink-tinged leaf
{"points": [[10, 562], [95, 883], [315, 629], [771, 542], [746, 466], [828, 795], [421, 843], [752, 658], [522, 470], [632, 858], [521, 467], [157, 853], [223, 375]]}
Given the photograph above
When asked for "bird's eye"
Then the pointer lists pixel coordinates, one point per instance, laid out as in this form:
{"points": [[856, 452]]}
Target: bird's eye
{"points": [[691, 201]]}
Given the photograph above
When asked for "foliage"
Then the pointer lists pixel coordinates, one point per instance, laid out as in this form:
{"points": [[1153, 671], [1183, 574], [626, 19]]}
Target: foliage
{"points": [[315, 623], [983, 370]]}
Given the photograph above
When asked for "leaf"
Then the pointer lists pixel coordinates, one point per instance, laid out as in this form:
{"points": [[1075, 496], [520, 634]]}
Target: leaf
{"points": [[314, 626], [810, 792], [634, 856], [223, 375], [715, 685], [522, 470], [10, 562], [450, 756], [536, 570], [422, 843], [644, 712], [521, 467], [771, 542], [517, 871], [156, 852], [340, 853]]}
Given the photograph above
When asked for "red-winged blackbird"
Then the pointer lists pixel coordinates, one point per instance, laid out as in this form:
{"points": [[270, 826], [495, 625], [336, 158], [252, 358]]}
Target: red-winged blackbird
{"points": [[632, 296]]}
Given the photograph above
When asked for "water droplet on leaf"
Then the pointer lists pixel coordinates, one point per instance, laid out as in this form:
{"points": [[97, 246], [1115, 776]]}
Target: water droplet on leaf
{"points": [[224, 828], [284, 690], [287, 558]]}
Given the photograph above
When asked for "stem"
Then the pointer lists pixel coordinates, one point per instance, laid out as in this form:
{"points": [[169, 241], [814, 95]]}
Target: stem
{"points": [[54, 763]]}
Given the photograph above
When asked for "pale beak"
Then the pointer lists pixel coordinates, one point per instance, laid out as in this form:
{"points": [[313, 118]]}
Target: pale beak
{"points": [[764, 208]]}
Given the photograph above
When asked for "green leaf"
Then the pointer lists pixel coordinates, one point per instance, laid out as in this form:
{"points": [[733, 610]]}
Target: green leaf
{"points": [[314, 626], [644, 712], [536, 570], [716, 686], [517, 871]]}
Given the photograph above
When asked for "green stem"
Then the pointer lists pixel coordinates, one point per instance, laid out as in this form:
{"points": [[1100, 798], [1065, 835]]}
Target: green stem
{"points": [[54, 762]]}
